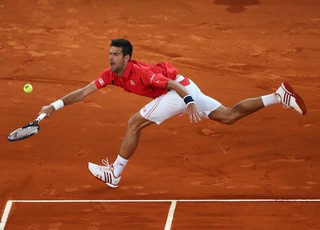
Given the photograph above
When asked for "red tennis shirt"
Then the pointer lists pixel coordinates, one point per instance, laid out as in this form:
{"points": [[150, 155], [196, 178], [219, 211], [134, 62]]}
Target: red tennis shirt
{"points": [[140, 78]]}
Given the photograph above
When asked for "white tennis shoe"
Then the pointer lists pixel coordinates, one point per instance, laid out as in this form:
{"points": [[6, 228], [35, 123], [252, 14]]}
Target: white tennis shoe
{"points": [[290, 99], [104, 173]]}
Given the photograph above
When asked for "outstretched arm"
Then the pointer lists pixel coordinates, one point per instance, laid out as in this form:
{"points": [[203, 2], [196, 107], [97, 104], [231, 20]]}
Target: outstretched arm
{"points": [[69, 99], [191, 109]]}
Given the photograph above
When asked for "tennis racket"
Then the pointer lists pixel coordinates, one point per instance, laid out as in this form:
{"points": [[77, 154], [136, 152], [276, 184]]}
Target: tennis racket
{"points": [[27, 130]]}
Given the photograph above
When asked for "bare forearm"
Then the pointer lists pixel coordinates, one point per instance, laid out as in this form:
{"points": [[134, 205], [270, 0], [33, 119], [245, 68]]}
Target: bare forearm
{"points": [[73, 97], [191, 109], [181, 91], [69, 99], [79, 94]]}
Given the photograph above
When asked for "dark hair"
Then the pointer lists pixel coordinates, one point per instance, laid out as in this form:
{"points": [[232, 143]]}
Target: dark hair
{"points": [[124, 44]]}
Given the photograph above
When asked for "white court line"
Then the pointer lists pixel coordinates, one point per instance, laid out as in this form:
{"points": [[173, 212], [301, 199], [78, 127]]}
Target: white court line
{"points": [[5, 215], [162, 201], [170, 215], [171, 210]]}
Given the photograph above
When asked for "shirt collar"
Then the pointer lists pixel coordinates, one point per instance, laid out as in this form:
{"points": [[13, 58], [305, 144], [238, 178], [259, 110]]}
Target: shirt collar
{"points": [[127, 71]]}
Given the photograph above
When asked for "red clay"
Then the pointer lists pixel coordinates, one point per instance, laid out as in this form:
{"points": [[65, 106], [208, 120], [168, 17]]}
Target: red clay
{"points": [[231, 51]]}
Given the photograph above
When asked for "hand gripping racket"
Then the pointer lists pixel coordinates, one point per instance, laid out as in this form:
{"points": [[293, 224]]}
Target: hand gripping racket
{"points": [[27, 130]]}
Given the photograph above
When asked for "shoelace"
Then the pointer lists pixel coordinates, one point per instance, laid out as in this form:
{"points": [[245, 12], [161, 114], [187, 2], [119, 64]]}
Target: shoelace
{"points": [[106, 164]]}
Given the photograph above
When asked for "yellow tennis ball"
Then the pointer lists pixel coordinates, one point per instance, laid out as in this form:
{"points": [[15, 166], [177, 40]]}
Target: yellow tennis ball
{"points": [[27, 88]]}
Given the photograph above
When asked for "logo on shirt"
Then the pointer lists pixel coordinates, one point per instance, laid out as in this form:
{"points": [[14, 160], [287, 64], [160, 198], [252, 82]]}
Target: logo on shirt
{"points": [[101, 81], [152, 78], [132, 82]]}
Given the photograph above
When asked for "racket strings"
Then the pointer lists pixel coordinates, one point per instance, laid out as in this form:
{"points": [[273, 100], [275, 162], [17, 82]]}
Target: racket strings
{"points": [[24, 132]]}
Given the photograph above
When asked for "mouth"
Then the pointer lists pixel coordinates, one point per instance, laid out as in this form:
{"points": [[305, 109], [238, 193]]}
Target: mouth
{"points": [[113, 67]]}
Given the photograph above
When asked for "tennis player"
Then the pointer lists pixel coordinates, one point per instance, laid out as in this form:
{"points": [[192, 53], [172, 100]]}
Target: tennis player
{"points": [[171, 93]]}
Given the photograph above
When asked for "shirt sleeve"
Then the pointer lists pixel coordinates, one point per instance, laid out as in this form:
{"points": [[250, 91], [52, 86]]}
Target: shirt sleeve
{"points": [[168, 70], [155, 79], [159, 80], [103, 80]]}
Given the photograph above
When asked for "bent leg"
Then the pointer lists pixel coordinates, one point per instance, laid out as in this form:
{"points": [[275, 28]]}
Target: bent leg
{"points": [[132, 136], [243, 108]]}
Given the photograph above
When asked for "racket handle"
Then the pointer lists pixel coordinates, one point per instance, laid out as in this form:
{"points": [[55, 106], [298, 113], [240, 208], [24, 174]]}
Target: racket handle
{"points": [[41, 116]]}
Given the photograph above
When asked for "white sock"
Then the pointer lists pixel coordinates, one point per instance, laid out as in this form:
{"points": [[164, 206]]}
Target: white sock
{"points": [[270, 99], [119, 165]]}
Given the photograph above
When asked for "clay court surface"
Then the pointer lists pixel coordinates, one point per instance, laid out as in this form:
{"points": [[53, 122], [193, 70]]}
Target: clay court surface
{"points": [[231, 49]]}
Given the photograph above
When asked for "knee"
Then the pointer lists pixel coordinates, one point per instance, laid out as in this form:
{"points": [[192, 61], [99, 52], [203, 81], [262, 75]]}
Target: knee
{"points": [[133, 123], [228, 121], [224, 116], [136, 123]]}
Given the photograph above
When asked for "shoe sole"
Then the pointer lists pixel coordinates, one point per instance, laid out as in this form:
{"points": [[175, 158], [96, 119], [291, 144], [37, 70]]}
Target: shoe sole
{"points": [[108, 184], [112, 185], [299, 100]]}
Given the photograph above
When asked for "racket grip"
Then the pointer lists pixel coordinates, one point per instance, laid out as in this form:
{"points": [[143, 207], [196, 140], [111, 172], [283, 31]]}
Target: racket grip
{"points": [[41, 116]]}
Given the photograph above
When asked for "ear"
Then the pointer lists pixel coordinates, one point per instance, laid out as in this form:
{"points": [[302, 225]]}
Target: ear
{"points": [[127, 58]]}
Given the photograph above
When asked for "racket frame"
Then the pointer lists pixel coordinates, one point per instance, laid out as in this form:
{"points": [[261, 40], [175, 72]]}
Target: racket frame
{"points": [[34, 123]]}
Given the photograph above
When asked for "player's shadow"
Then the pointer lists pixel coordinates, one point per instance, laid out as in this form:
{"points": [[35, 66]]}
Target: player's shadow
{"points": [[237, 6]]}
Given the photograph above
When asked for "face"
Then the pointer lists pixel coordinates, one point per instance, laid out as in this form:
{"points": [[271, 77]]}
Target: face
{"points": [[118, 62]]}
